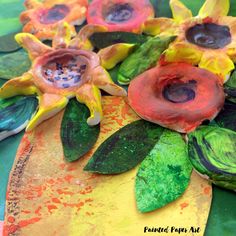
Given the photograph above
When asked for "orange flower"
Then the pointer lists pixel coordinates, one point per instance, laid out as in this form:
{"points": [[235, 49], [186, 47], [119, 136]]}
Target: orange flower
{"points": [[42, 18], [207, 40]]}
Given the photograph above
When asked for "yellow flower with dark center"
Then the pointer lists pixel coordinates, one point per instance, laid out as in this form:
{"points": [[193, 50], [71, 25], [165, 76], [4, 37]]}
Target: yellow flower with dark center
{"points": [[207, 40], [42, 18], [61, 72]]}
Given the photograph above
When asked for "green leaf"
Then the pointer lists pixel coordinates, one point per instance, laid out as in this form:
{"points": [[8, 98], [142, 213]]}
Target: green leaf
{"points": [[164, 174], [15, 115], [105, 39], [9, 17], [124, 149], [145, 57], [14, 64], [8, 43], [227, 117], [76, 135], [230, 88], [212, 153]]}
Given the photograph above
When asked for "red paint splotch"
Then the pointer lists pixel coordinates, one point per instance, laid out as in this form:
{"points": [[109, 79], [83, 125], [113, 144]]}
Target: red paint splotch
{"points": [[184, 205], [207, 190]]}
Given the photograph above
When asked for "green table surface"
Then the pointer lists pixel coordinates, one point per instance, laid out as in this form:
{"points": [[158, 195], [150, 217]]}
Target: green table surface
{"points": [[222, 218]]}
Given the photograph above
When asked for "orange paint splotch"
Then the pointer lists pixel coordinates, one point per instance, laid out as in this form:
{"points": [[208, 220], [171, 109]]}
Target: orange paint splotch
{"points": [[93, 176], [24, 223], [51, 207], [26, 211], [68, 178], [60, 191], [74, 205], [71, 168], [89, 213], [56, 200], [10, 229], [207, 190], [184, 205], [10, 219], [89, 200], [62, 166], [50, 181], [37, 211]]}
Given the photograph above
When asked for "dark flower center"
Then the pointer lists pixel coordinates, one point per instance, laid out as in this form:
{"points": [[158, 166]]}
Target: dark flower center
{"points": [[180, 92], [209, 35], [118, 13], [54, 14], [65, 72]]}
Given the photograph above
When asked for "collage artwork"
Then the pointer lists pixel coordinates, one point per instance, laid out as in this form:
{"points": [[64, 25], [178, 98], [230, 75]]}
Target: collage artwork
{"points": [[117, 117]]}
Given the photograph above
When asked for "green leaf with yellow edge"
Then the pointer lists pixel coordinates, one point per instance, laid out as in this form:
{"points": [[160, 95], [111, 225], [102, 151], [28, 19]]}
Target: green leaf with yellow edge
{"points": [[125, 149], [164, 174], [76, 135]]}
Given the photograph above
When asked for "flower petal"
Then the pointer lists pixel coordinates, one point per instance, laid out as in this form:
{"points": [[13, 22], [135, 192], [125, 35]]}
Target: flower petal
{"points": [[179, 11], [90, 95], [49, 105], [183, 52], [102, 80], [214, 8], [32, 3], [19, 86], [32, 45], [216, 62], [114, 54], [81, 41], [161, 26], [63, 35]]}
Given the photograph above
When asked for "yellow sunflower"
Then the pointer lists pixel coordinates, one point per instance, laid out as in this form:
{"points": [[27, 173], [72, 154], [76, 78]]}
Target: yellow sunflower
{"points": [[61, 72], [207, 40]]}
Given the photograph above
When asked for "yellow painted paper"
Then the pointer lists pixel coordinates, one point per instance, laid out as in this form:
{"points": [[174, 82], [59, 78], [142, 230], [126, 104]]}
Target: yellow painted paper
{"points": [[47, 196]]}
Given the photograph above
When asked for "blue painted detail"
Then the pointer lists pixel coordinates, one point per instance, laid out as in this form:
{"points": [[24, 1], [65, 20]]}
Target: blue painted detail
{"points": [[65, 85]]}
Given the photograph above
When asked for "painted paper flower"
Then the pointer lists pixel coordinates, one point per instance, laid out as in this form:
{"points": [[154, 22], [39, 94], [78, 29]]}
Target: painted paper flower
{"points": [[120, 15], [59, 73], [177, 96], [43, 18], [207, 40]]}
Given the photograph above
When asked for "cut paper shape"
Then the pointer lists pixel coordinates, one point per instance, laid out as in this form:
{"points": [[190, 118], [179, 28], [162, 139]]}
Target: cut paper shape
{"points": [[14, 64], [125, 149], [8, 43], [164, 174], [212, 154], [230, 88], [58, 198], [178, 96], [15, 117], [145, 57], [76, 136]]}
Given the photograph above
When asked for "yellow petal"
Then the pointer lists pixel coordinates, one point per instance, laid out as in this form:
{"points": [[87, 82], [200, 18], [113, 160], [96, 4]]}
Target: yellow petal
{"points": [[32, 45], [183, 52], [161, 26], [231, 51], [179, 11], [218, 63], [81, 41], [90, 95], [63, 35], [102, 80], [114, 54], [49, 105], [214, 8], [19, 86]]}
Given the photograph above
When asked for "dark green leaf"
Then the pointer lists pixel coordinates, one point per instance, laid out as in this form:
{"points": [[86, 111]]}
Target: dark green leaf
{"points": [[145, 57], [8, 43], [76, 135], [15, 116], [164, 174], [14, 64], [212, 153], [230, 88], [124, 149], [227, 117], [105, 39]]}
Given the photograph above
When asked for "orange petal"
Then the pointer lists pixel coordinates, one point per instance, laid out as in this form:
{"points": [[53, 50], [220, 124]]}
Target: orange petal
{"points": [[102, 80], [81, 41], [183, 52], [23, 85], [63, 35], [32, 45], [161, 26], [218, 63], [32, 4], [49, 105], [179, 11], [90, 95], [214, 8]]}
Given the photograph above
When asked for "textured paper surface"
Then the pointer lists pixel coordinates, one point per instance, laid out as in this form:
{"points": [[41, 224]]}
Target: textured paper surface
{"points": [[51, 197]]}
